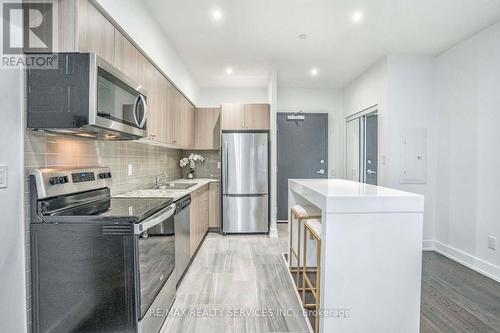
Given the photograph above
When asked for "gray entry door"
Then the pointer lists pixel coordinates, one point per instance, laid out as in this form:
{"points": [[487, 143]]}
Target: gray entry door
{"points": [[302, 152]]}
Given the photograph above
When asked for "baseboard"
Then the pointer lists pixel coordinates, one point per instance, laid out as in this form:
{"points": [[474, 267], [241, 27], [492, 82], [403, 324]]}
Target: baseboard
{"points": [[479, 265], [428, 245], [296, 291]]}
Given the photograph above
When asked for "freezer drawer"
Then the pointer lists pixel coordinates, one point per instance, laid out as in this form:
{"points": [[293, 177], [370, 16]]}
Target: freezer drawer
{"points": [[245, 163], [245, 214]]}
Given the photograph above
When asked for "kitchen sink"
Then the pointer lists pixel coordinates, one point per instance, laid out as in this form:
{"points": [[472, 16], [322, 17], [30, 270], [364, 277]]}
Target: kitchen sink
{"points": [[176, 186]]}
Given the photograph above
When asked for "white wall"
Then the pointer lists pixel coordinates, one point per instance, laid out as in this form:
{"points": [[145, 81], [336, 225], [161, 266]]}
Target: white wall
{"points": [[12, 256], [367, 90], [134, 17], [215, 96], [272, 97], [468, 85], [412, 105], [403, 89], [320, 101]]}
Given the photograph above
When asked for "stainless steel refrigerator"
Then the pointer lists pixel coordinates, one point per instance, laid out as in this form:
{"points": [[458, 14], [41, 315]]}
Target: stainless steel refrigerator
{"points": [[245, 182]]}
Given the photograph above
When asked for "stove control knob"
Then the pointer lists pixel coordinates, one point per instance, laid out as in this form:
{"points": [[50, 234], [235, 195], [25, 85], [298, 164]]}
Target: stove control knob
{"points": [[54, 180], [105, 175]]}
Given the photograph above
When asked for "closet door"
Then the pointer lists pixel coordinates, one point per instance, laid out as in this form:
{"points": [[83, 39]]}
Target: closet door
{"points": [[353, 149]]}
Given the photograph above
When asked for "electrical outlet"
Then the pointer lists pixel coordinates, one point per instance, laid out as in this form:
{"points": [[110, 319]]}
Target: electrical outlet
{"points": [[3, 176], [492, 243], [130, 169]]}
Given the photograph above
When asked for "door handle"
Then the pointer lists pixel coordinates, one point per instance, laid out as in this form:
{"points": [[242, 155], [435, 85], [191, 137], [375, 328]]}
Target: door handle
{"points": [[371, 172], [321, 172], [226, 167], [140, 99], [157, 218]]}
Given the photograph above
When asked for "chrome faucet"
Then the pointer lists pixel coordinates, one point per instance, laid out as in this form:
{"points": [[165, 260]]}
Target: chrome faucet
{"points": [[159, 179]]}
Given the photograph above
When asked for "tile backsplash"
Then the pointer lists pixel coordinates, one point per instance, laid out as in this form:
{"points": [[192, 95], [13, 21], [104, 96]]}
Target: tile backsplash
{"points": [[207, 169], [54, 150]]}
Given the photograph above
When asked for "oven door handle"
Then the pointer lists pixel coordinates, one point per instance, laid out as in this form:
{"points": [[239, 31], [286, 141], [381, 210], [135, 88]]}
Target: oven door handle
{"points": [[156, 219]]}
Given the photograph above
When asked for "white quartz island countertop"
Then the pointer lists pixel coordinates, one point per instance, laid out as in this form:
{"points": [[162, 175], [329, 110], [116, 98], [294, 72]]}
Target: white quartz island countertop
{"points": [[338, 195], [371, 254]]}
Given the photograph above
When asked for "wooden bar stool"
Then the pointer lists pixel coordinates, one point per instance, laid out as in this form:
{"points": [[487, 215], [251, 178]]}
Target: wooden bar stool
{"points": [[300, 213], [312, 229]]}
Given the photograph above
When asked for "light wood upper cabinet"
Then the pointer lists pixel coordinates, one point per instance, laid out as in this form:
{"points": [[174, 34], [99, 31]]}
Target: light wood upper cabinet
{"points": [[169, 113], [233, 116], [161, 123], [178, 117], [245, 116], [160, 95], [144, 73], [95, 32], [257, 116], [189, 124], [146, 77], [171, 117], [183, 118], [207, 128], [214, 205], [126, 56], [154, 112]]}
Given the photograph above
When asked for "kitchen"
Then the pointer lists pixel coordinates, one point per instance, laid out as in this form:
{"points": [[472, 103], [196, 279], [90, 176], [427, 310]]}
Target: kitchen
{"points": [[178, 178]]}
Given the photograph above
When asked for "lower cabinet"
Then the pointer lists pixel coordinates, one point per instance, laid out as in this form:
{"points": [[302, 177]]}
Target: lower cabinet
{"points": [[214, 205], [199, 216]]}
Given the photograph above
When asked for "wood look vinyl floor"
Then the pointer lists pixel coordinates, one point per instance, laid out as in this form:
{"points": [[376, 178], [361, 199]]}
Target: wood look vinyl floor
{"points": [[248, 273], [237, 284], [456, 298]]}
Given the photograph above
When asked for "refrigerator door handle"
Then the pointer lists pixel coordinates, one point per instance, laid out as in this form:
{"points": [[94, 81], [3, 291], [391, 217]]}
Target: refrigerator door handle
{"points": [[226, 167]]}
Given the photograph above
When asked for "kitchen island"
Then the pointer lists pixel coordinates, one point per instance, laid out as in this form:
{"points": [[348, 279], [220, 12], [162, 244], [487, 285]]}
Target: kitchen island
{"points": [[371, 254]]}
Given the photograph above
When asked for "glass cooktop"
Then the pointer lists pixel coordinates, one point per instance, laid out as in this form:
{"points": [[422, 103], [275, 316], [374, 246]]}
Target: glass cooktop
{"points": [[136, 208]]}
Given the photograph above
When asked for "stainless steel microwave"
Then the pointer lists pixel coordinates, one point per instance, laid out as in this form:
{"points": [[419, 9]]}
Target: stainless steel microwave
{"points": [[88, 97]]}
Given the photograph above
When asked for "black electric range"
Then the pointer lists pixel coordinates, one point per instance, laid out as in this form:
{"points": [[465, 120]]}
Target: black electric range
{"points": [[95, 266]]}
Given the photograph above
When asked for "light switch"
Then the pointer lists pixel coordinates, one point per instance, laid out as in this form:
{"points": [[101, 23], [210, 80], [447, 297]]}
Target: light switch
{"points": [[130, 169], [3, 176]]}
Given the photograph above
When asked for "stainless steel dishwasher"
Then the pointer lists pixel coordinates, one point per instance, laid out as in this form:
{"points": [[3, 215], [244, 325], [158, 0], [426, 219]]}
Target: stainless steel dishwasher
{"points": [[182, 238]]}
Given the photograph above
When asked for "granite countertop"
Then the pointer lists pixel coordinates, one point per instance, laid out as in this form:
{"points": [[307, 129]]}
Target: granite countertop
{"points": [[175, 194]]}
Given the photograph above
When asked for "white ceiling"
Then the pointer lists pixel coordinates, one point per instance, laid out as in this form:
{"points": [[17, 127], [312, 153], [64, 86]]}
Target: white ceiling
{"points": [[258, 35]]}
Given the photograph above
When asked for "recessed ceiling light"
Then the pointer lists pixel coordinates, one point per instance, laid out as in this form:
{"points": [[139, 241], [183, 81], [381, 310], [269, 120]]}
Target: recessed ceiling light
{"points": [[229, 71], [303, 36], [314, 71], [358, 17], [216, 14]]}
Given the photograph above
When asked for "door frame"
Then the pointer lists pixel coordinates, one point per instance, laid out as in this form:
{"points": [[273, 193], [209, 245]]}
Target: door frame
{"points": [[327, 135], [361, 116]]}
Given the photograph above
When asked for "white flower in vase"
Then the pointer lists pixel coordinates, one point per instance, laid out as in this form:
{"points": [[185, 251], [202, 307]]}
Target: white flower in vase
{"points": [[191, 162]]}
